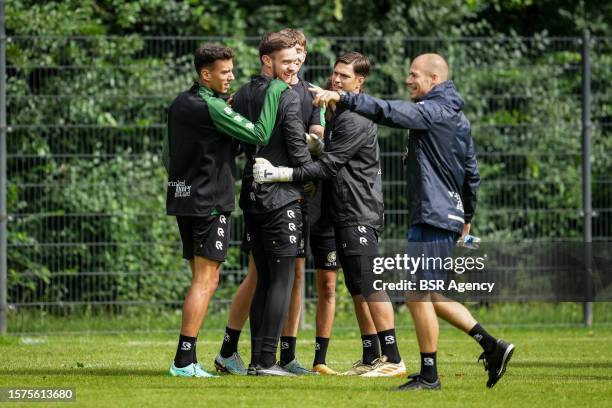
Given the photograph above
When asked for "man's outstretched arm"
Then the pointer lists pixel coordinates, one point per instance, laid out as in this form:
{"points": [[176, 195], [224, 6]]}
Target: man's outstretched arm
{"points": [[394, 113]]}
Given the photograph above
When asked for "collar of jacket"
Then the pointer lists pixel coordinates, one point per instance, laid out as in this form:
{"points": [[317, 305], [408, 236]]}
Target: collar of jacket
{"points": [[446, 93], [203, 89]]}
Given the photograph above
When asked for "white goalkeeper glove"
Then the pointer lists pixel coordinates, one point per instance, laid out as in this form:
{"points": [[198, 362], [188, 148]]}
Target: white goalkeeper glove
{"points": [[265, 172], [315, 145]]}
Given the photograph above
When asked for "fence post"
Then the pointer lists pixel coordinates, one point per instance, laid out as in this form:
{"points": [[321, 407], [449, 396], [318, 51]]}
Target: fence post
{"points": [[3, 212], [586, 172]]}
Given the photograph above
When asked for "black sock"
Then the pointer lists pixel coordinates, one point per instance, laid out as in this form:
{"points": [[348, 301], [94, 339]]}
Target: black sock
{"points": [[429, 370], [287, 353], [388, 345], [371, 349], [230, 342], [486, 341], [185, 352], [266, 359], [321, 344]]}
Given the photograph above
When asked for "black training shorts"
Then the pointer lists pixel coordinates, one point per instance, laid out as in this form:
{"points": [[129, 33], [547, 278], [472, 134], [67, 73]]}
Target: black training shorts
{"points": [[206, 236], [279, 231]]}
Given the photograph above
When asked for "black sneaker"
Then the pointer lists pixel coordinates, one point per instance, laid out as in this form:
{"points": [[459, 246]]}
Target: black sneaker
{"points": [[419, 383], [273, 370], [251, 370], [496, 361]]}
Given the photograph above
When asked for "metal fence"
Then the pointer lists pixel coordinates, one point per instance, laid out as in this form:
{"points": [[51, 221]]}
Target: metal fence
{"points": [[85, 190]]}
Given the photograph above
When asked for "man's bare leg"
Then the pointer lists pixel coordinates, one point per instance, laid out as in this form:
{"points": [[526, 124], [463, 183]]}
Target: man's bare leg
{"points": [[228, 359], [204, 282], [326, 301], [427, 331], [367, 328], [453, 312], [241, 301], [326, 309]]}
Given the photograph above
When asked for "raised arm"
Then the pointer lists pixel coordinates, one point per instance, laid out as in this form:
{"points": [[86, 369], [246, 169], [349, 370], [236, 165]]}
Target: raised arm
{"points": [[227, 121], [394, 113]]}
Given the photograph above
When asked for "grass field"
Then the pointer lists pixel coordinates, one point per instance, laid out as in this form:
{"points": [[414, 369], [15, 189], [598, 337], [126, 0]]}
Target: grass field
{"points": [[552, 367]]}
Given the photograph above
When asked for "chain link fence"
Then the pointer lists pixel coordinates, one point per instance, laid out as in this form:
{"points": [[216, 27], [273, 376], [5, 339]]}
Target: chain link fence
{"points": [[87, 230]]}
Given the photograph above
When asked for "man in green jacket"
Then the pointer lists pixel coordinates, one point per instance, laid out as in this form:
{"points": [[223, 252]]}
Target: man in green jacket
{"points": [[202, 130]]}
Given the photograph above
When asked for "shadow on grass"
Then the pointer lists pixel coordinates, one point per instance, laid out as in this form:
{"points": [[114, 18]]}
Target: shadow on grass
{"points": [[561, 364], [85, 371]]}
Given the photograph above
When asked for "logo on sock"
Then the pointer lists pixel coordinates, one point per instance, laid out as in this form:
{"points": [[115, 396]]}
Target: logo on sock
{"points": [[367, 343], [389, 339], [428, 361], [317, 346], [284, 345], [478, 337], [226, 338], [186, 346]]}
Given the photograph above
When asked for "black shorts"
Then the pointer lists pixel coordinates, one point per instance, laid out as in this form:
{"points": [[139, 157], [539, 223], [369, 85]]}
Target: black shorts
{"points": [[206, 236], [357, 240], [324, 252], [279, 231]]}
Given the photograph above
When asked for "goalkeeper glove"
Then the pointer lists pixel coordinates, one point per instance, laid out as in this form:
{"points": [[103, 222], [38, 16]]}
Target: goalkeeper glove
{"points": [[265, 172]]}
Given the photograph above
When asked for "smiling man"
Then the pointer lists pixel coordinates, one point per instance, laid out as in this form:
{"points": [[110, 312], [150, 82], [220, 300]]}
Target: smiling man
{"points": [[351, 163], [443, 181], [272, 213], [201, 174]]}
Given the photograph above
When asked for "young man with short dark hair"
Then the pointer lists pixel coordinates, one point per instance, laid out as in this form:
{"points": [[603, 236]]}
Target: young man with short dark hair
{"points": [[201, 175]]}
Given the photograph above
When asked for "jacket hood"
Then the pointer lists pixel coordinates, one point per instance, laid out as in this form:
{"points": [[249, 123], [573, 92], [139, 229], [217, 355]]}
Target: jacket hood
{"points": [[447, 94]]}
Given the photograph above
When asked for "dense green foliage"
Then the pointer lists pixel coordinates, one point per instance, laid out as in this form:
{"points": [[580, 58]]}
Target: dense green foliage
{"points": [[88, 88]]}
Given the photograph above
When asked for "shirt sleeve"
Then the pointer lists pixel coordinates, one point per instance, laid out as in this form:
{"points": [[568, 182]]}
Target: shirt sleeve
{"points": [[166, 150], [227, 121], [471, 182], [394, 113], [349, 137], [293, 130]]}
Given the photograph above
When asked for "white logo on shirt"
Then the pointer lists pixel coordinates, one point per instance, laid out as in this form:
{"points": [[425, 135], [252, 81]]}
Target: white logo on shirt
{"points": [[292, 239], [222, 219], [363, 241], [290, 214], [219, 245], [220, 232], [291, 226]]}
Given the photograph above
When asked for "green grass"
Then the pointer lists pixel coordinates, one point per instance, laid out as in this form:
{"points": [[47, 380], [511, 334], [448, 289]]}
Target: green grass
{"points": [[151, 318], [558, 367]]}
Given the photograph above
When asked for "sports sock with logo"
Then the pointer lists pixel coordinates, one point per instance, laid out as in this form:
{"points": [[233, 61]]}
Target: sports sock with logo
{"points": [[486, 341], [287, 353], [321, 344], [230, 342], [371, 349], [429, 370], [388, 345], [185, 352]]}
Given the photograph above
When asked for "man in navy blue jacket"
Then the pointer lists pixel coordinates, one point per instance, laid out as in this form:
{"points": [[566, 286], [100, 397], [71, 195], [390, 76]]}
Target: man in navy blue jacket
{"points": [[443, 180]]}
